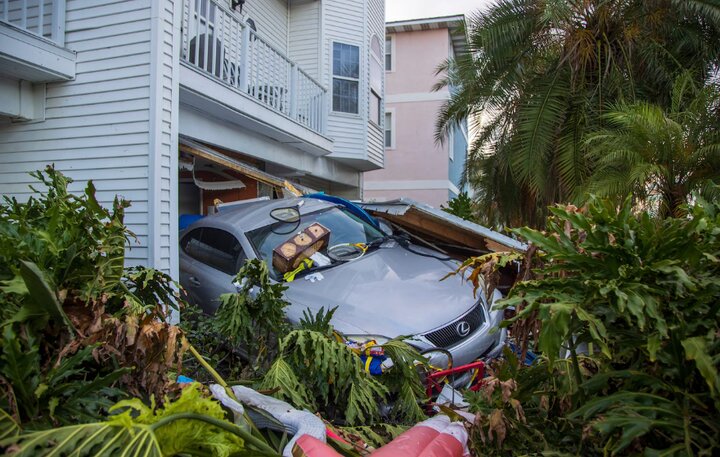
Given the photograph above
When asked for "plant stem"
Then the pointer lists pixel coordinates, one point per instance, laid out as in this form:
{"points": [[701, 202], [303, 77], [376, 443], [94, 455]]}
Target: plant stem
{"points": [[576, 369], [227, 426], [218, 379], [686, 426], [211, 370]]}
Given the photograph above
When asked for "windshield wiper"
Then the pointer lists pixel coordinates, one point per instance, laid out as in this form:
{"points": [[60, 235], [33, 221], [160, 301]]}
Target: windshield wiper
{"points": [[377, 242]]}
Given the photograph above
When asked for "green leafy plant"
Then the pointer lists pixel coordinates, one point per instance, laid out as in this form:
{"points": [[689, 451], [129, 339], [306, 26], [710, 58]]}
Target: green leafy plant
{"points": [[537, 76], [626, 308], [318, 322], [318, 371], [461, 206], [253, 316], [327, 375], [78, 331], [192, 424]]}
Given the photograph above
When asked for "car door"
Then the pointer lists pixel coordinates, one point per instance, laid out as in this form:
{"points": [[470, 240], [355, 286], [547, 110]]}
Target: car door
{"points": [[216, 258]]}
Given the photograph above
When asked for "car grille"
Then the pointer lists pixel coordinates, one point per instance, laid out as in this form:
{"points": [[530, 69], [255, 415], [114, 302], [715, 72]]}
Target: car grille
{"points": [[448, 335]]}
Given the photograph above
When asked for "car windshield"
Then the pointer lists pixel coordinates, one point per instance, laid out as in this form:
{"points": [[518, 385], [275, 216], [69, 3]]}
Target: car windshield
{"points": [[344, 228]]}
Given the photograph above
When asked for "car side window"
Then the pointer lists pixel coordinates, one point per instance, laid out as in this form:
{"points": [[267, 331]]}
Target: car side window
{"points": [[215, 248]]}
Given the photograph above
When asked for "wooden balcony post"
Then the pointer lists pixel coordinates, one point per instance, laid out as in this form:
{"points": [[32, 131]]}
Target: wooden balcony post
{"points": [[57, 33], [244, 59], [293, 90]]}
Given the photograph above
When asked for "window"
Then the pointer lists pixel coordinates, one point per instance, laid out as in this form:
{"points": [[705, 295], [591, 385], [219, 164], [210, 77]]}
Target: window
{"points": [[388, 53], [215, 248], [346, 77], [375, 107], [389, 130]]}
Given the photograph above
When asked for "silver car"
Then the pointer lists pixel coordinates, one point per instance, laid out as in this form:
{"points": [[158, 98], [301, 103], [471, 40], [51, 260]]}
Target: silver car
{"points": [[391, 288]]}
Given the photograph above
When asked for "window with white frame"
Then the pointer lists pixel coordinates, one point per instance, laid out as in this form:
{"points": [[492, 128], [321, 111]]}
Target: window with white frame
{"points": [[346, 77], [389, 140], [388, 53]]}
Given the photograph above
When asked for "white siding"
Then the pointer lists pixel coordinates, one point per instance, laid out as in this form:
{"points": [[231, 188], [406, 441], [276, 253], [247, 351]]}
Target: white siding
{"points": [[376, 26], [305, 36], [105, 125], [376, 144], [344, 21], [271, 20], [163, 140]]}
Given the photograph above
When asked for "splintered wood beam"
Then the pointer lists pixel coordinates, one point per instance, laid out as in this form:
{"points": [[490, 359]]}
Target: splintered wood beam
{"points": [[413, 220]]}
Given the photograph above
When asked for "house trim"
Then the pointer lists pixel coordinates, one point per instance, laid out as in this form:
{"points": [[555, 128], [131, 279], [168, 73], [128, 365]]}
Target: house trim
{"points": [[25, 55], [415, 184], [439, 96], [223, 101]]}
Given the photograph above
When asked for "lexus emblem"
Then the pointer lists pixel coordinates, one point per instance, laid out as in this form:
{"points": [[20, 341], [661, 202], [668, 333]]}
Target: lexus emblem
{"points": [[462, 328]]}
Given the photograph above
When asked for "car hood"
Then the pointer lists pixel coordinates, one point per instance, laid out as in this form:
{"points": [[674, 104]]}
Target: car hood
{"points": [[388, 292]]}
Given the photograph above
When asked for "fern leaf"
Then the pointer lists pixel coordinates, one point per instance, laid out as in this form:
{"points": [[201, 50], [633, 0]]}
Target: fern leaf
{"points": [[281, 376], [363, 400]]}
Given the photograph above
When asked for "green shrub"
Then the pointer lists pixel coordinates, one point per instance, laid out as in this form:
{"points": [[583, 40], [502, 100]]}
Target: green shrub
{"points": [[633, 303], [77, 330]]}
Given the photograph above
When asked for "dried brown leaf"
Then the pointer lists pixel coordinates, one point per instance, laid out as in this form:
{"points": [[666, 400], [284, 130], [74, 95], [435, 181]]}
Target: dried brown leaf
{"points": [[497, 427]]}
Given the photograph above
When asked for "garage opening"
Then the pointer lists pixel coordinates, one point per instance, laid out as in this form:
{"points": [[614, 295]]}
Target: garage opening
{"points": [[209, 177]]}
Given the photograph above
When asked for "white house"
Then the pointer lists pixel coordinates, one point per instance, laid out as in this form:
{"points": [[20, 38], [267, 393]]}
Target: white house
{"points": [[159, 100]]}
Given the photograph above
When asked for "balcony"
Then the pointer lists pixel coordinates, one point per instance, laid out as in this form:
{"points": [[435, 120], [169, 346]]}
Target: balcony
{"points": [[217, 44], [42, 18], [33, 37]]}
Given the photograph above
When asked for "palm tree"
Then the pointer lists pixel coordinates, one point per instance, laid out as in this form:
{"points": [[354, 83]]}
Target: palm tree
{"points": [[659, 157], [542, 73]]}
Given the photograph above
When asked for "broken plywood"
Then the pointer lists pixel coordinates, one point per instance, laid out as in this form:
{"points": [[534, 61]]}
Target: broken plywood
{"points": [[444, 228]]}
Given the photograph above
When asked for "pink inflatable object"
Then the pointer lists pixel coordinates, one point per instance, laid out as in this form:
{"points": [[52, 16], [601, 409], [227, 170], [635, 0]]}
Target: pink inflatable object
{"points": [[435, 437]]}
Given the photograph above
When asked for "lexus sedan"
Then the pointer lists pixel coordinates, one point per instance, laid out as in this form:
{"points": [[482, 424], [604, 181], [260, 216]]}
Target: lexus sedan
{"points": [[383, 286]]}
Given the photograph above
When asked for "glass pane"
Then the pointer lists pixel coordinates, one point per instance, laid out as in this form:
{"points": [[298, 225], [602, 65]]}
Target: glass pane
{"points": [[375, 46], [345, 96], [388, 130], [388, 53], [346, 60], [216, 248], [375, 108], [376, 75], [344, 227]]}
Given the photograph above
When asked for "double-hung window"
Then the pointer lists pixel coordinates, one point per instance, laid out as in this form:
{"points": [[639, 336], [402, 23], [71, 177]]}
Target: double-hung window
{"points": [[389, 140], [376, 80], [388, 53], [346, 77]]}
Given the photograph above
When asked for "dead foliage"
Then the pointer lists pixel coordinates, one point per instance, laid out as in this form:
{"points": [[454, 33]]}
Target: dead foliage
{"points": [[145, 342]]}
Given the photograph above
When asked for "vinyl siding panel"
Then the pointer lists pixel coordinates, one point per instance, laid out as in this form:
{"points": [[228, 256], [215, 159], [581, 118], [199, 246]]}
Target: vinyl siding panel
{"points": [[344, 21], [105, 125], [304, 37], [376, 145], [376, 27], [271, 21], [163, 141]]}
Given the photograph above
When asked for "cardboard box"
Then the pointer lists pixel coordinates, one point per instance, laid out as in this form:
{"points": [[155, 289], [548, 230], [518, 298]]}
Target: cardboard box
{"points": [[300, 246]]}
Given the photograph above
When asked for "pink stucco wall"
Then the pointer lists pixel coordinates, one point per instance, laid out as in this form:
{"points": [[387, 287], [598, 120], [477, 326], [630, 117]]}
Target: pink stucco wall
{"points": [[417, 56], [416, 155]]}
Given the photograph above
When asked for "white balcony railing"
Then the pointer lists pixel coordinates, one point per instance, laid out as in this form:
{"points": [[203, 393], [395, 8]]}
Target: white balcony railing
{"points": [[44, 18], [217, 42]]}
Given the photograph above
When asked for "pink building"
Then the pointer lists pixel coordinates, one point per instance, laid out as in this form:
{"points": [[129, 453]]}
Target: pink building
{"points": [[415, 165]]}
